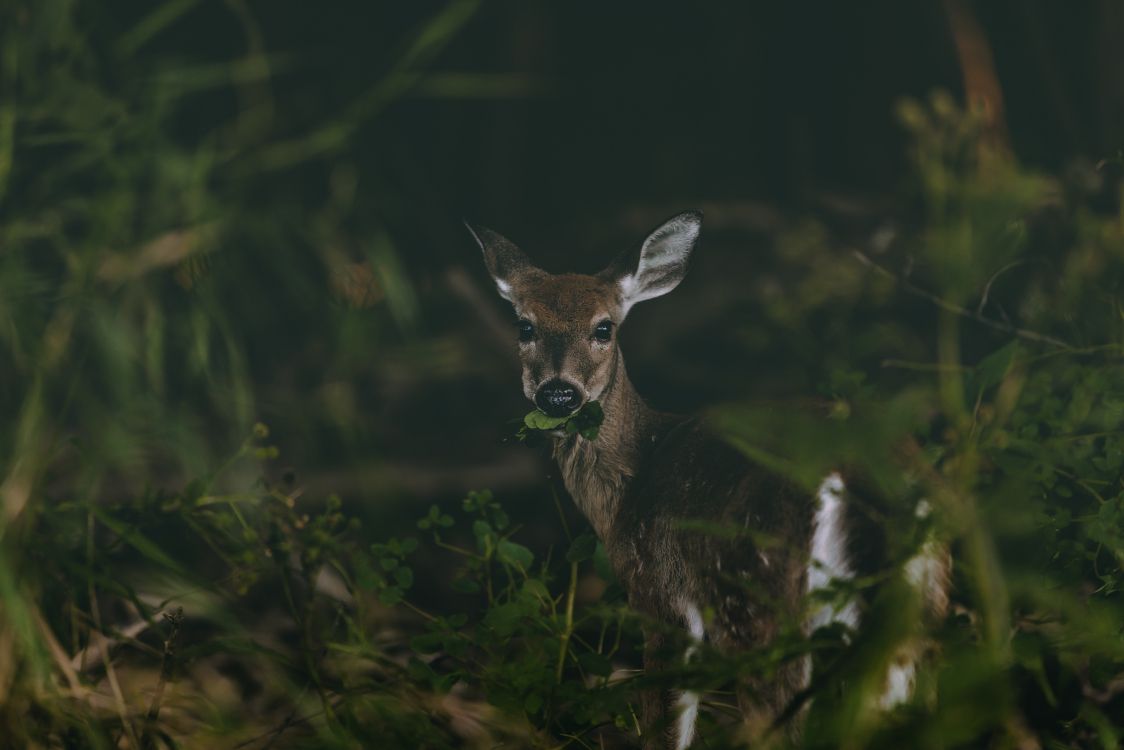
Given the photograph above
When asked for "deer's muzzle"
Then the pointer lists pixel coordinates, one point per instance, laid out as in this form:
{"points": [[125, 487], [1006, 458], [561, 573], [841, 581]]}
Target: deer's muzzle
{"points": [[558, 398]]}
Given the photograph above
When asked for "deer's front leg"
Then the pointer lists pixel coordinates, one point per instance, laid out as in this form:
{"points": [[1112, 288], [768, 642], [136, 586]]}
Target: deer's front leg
{"points": [[655, 701], [662, 709]]}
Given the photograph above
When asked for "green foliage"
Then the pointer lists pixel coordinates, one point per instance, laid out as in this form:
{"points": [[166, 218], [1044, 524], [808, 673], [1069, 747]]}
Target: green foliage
{"points": [[586, 422], [1018, 453]]}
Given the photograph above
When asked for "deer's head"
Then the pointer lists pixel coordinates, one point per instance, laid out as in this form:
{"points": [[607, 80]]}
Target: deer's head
{"points": [[567, 323]]}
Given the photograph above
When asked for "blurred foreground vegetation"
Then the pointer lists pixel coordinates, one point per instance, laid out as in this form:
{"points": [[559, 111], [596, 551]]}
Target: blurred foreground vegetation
{"points": [[186, 259]]}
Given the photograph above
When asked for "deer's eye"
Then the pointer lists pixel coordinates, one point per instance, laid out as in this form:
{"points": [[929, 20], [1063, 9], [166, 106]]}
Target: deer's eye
{"points": [[603, 331], [526, 330]]}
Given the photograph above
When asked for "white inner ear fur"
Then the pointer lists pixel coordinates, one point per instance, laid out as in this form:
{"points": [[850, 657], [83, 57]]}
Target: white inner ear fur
{"points": [[503, 288], [663, 262]]}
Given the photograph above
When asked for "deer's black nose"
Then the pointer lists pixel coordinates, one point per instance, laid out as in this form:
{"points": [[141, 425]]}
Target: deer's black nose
{"points": [[557, 398]]}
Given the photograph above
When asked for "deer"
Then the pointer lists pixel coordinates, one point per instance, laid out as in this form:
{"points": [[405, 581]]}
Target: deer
{"points": [[648, 471]]}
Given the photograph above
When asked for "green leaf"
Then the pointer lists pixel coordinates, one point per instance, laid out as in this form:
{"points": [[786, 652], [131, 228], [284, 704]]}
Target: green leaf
{"points": [[515, 554], [532, 703], [536, 589], [404, 577], [419, 670], [586, 421], [539, 420], [390, 595], [994, 366], [602, 566], [504, 618], [427, 643], [367, 578], [582, 548]]}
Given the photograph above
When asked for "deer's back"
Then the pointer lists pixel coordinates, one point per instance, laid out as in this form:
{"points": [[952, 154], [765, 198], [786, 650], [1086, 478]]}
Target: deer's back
{"points": [[701, 526]]}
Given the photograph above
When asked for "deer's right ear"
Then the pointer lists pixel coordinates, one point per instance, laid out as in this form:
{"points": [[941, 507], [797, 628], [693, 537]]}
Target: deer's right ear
{"points": [[504, 260], [659, 264]]}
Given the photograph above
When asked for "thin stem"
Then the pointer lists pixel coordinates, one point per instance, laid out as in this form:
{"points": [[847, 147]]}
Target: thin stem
{"points": [[564, 647], [167, 664], [458, 550], [418, 611]]}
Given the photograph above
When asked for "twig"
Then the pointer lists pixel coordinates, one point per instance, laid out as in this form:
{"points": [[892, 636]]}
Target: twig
{"points": [[290, 721], [987, 286], [960, 310], [86, 659], [77, 689], [418, 611], [167, 663], [111, 674]]}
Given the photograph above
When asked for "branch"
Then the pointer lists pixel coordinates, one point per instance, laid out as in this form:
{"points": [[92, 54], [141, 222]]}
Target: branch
{"points": [[963, 311]]}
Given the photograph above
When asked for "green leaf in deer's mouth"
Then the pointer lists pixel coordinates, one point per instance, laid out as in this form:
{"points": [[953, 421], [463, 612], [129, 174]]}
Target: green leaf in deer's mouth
{"points": [[586, 421], [540, 420]]}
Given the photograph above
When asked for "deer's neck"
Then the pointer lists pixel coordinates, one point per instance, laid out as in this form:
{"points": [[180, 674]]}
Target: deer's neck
{"points": [[597, 472]]}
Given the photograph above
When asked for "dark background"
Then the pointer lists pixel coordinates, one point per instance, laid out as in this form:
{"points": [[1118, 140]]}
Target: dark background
{"points": [[576, 127], [320, 161]]}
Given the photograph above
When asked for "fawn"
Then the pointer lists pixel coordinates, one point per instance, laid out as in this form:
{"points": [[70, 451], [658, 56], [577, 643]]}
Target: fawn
{"points": [[646, 472]]}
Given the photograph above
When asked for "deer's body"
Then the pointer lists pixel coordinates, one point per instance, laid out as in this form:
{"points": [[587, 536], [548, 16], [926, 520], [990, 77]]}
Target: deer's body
{"points": [[647, 475], [639, 488]]}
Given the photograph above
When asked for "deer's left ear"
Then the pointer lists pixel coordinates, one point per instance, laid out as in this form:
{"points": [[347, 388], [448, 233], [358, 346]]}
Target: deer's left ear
{"points": [[504, 260], [661, 262]]}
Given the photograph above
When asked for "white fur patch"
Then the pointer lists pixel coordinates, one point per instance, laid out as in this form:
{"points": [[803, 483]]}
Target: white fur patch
{"points": [[900, 679], [627, 286], [695, 625], [829, 552], [928, 573], [688, 705], [688, 702], [925, 570]]}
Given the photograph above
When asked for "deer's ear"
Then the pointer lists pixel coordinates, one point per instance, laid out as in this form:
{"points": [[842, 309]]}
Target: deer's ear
{"points": [[504, 260], [660, 263]]}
